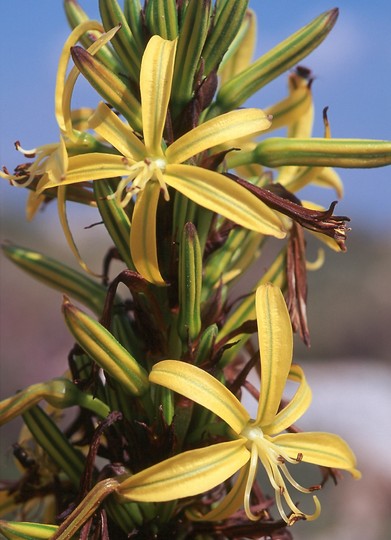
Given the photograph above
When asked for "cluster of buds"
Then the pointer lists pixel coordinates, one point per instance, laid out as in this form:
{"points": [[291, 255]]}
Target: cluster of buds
{"points": [[189, 186]]}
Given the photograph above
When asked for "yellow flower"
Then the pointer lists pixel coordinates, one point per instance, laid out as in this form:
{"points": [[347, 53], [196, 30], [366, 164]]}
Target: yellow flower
{"points": [[260, 440], [149, 166]]}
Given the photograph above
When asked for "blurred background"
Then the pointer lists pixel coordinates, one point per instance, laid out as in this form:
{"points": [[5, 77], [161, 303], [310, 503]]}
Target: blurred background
{"points": [[348, 365]]}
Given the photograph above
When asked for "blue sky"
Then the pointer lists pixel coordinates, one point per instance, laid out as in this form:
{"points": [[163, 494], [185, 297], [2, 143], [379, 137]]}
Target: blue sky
{"points": [[352, 69]]}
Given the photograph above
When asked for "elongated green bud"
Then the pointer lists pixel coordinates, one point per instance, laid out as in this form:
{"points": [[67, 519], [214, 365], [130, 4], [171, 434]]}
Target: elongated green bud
{"points": [[190, 283], [347, 153], [58, 276], [49, 437], [24, 530], [75, 16], [190, 44], [205, 346], [123, 42], [162, 19], [228, 19], [278, 60], [132, 11], [60, 393], [109, 86], [115, 219], [105, 350]]}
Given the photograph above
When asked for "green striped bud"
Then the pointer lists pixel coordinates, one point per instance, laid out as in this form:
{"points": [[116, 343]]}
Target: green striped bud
{"points": [[227, 22], [59, 393], [191, 41], [115, 219], [190, 283], [105, 350], [51, 439], [75, 16], [162, 19], [132, 11], [206, 344], [58, 276], [269, 66], [109, 86], [123, 42], [347, 153]]}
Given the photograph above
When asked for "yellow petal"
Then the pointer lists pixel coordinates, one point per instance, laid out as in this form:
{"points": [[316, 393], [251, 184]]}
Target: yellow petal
{"points": [[224, 196], [228, 505], [61, 205], [319, 448], [157, 69], [143, 234], [276, 347], [107, 124], [94, 166], [199, 386], [63, 117], [296, 407], [223, 129], [186, 474]]}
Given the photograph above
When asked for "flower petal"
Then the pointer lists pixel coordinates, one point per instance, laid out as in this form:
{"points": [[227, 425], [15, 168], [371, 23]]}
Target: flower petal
{"points": [[319, 448], [186, 474], [223, 129], [94, 166], [143, 234], [228, 506], [220, 194], [296, 407], [157, 69], [276, 347], [107, 124], [201, 387]]}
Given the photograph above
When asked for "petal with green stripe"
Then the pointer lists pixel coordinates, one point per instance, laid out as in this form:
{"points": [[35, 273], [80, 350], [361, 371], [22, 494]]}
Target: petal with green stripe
{"points": [[224, 196], [186, 474], [201, 387]]}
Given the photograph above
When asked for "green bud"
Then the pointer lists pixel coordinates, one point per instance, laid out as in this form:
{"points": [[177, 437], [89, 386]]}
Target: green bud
{"points": [[109, 86], [227, 22], [14, 530], [123, 42], [162, 19], [59, 393], [206, 344], [105, 350], [348, 153], [269, 66], [191, 41], [58, 276], [75, 16], [49, 437], [115, 219], [190, 283], [132, 11]]}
